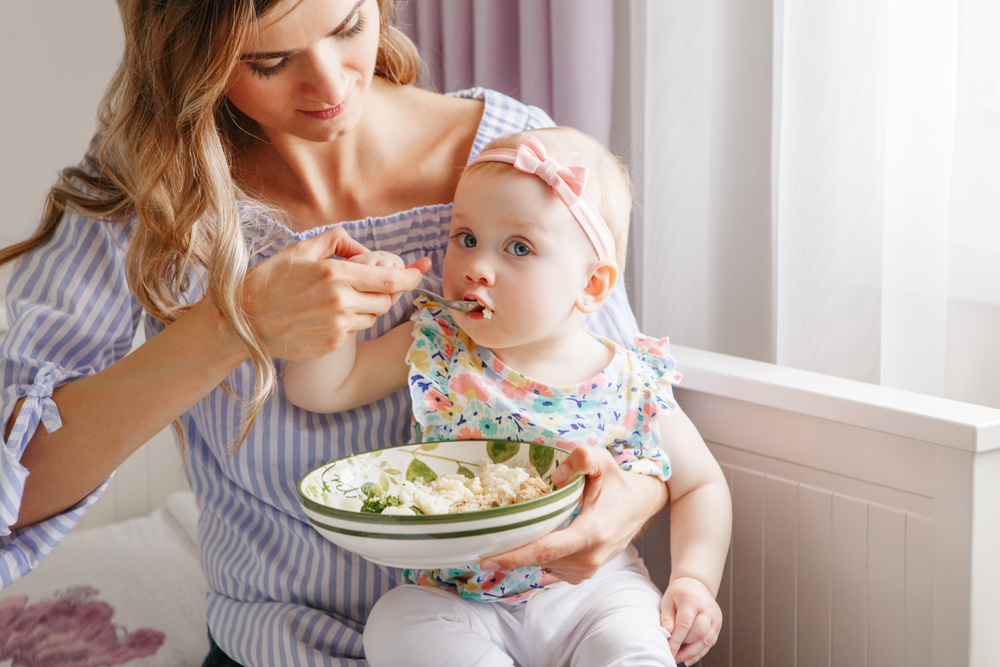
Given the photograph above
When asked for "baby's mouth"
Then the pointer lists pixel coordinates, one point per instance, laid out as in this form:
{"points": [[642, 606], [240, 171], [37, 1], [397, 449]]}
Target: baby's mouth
{"points": [[482, 308]]}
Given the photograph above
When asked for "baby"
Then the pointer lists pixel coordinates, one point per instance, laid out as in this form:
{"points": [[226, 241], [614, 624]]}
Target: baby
{"points": [[539, 246]]}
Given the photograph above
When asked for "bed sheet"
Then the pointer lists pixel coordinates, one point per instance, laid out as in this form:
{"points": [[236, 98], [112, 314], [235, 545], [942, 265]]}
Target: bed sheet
{"points": [[129, 593]]}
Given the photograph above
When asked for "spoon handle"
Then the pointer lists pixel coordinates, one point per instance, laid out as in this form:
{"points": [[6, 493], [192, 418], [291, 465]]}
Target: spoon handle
{"points": [[464, 306]]}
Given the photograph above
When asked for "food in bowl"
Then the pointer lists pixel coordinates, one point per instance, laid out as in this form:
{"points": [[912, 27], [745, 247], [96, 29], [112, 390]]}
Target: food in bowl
{"points": [[452, 493], [430, 541]]}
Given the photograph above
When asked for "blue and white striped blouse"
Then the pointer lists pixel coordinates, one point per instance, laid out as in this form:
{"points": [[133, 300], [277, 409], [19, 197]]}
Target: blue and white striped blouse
{"points": [[280, 593]]}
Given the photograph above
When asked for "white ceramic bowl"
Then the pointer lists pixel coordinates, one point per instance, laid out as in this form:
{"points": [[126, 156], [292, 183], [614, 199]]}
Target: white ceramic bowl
{"points": [[435, 540]]}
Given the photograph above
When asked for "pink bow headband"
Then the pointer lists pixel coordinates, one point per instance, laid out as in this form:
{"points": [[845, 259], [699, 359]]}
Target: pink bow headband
{"points": [[568, 184]]}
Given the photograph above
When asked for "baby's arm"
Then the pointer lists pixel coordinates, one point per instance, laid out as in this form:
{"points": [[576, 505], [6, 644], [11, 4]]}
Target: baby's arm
{"points": [[354, 374], [700, 530]]}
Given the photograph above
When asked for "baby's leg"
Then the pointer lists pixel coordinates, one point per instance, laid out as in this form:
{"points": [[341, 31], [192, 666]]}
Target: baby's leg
{"points": [[610, 620], [417, 625], [623, 629]]}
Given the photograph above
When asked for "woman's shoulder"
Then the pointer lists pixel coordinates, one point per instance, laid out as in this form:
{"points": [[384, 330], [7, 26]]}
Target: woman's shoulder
{"points": [[508, 110], [501, 114], [490, 112]]}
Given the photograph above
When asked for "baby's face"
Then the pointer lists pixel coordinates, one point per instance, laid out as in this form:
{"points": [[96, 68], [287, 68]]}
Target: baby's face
{"points": [[516, 248]]}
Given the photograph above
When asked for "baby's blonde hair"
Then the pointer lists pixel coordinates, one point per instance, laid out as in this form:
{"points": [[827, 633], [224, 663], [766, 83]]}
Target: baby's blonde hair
{"points": [[608, 182]]}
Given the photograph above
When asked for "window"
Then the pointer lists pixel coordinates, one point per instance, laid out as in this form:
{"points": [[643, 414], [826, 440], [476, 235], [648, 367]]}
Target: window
{"points": [[819, 186]]}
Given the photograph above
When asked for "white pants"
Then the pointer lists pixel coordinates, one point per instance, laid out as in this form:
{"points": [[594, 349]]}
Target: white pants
{"points": [[610, 620]]}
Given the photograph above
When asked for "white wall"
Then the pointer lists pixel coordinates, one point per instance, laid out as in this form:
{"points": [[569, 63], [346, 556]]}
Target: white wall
{"points": [[58, 57]]}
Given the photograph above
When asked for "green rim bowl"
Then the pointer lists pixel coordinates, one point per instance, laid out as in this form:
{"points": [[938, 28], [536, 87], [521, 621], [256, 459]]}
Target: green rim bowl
{"points": [[435, 540]]}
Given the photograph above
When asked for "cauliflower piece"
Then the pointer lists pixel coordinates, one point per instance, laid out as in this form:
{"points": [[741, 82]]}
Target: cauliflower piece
{"points": [[393, 510], [487, 313], [451, 486], [428, 503], [406, 492], [342, 503]]}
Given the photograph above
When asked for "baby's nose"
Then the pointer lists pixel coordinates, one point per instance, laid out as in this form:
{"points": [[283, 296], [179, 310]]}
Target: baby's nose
{"points": [[480, 271]]}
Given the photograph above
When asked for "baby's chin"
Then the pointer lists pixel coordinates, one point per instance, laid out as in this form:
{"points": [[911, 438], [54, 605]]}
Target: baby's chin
{"points": [[484, 332]]}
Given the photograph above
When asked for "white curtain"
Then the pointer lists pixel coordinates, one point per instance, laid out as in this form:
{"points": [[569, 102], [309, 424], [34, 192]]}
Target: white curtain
{"points": [[820, 185]]}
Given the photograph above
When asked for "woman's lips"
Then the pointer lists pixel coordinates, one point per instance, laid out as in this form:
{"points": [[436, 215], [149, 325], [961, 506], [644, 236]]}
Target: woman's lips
{"points": [[329, 112]]}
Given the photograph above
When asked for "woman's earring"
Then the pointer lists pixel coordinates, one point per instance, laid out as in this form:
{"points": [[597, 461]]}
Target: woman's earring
{"points": [[586, 302]]}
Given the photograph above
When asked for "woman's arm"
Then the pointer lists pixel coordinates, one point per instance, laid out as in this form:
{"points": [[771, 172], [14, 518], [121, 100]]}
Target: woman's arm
{"points": [[302, 304], [108, 415]]}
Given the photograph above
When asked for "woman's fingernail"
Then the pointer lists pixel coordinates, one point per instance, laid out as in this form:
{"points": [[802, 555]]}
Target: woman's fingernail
{"points": [[559, 476], [490, 566]]}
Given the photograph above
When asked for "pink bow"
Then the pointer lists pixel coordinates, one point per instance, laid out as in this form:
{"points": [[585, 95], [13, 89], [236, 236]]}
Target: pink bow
{"points": [[567, 182]]}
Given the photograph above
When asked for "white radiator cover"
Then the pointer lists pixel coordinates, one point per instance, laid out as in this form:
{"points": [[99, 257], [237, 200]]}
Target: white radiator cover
{"points": [[866, 519]]}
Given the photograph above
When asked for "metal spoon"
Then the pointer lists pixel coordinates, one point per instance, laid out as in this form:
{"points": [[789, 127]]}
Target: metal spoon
{"points": [[463, 306]]}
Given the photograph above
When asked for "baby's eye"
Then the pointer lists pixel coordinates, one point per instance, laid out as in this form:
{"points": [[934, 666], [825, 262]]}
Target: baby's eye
{"points": [[466, 240], [519, 248]]}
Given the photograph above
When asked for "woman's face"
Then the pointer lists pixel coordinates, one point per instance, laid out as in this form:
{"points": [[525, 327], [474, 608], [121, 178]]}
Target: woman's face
{"points": [[305, 70]]}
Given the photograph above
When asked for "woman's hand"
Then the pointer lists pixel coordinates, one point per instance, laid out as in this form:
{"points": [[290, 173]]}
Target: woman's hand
{"points": [[616, 505], [693, 618], [304, 304], [378, 258]]}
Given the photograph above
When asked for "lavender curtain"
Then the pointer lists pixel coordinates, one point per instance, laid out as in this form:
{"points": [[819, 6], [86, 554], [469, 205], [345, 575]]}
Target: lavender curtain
{"points": [[555, 54]]}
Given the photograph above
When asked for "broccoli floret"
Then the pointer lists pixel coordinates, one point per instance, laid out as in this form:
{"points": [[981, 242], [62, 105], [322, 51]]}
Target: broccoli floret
{"points": [[375, 504]]}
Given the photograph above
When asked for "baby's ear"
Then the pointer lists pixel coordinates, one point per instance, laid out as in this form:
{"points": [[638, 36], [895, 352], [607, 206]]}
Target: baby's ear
{"points": [[603, 277]]}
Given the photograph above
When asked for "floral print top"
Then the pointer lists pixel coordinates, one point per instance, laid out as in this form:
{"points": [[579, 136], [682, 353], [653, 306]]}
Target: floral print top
{"points": [[462, 391]]}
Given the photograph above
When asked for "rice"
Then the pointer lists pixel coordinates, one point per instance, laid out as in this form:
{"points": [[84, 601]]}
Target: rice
{"points": [[497, 486]]}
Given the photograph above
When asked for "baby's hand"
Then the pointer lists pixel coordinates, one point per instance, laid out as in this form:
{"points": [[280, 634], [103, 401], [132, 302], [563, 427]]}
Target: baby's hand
{"points": [[378, 258], [693, 618]]}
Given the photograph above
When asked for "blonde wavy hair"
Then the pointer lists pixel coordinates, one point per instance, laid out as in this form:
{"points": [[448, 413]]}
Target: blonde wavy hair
{"points": [[162, 158], [608, 184]]}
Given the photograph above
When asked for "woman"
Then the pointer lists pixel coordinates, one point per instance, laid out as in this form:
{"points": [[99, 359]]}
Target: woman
{"points": [[235, 134]]}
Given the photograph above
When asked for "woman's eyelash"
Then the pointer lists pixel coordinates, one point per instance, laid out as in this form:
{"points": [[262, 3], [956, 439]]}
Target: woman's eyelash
{"points": [[358, 26], [268, 72]]}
